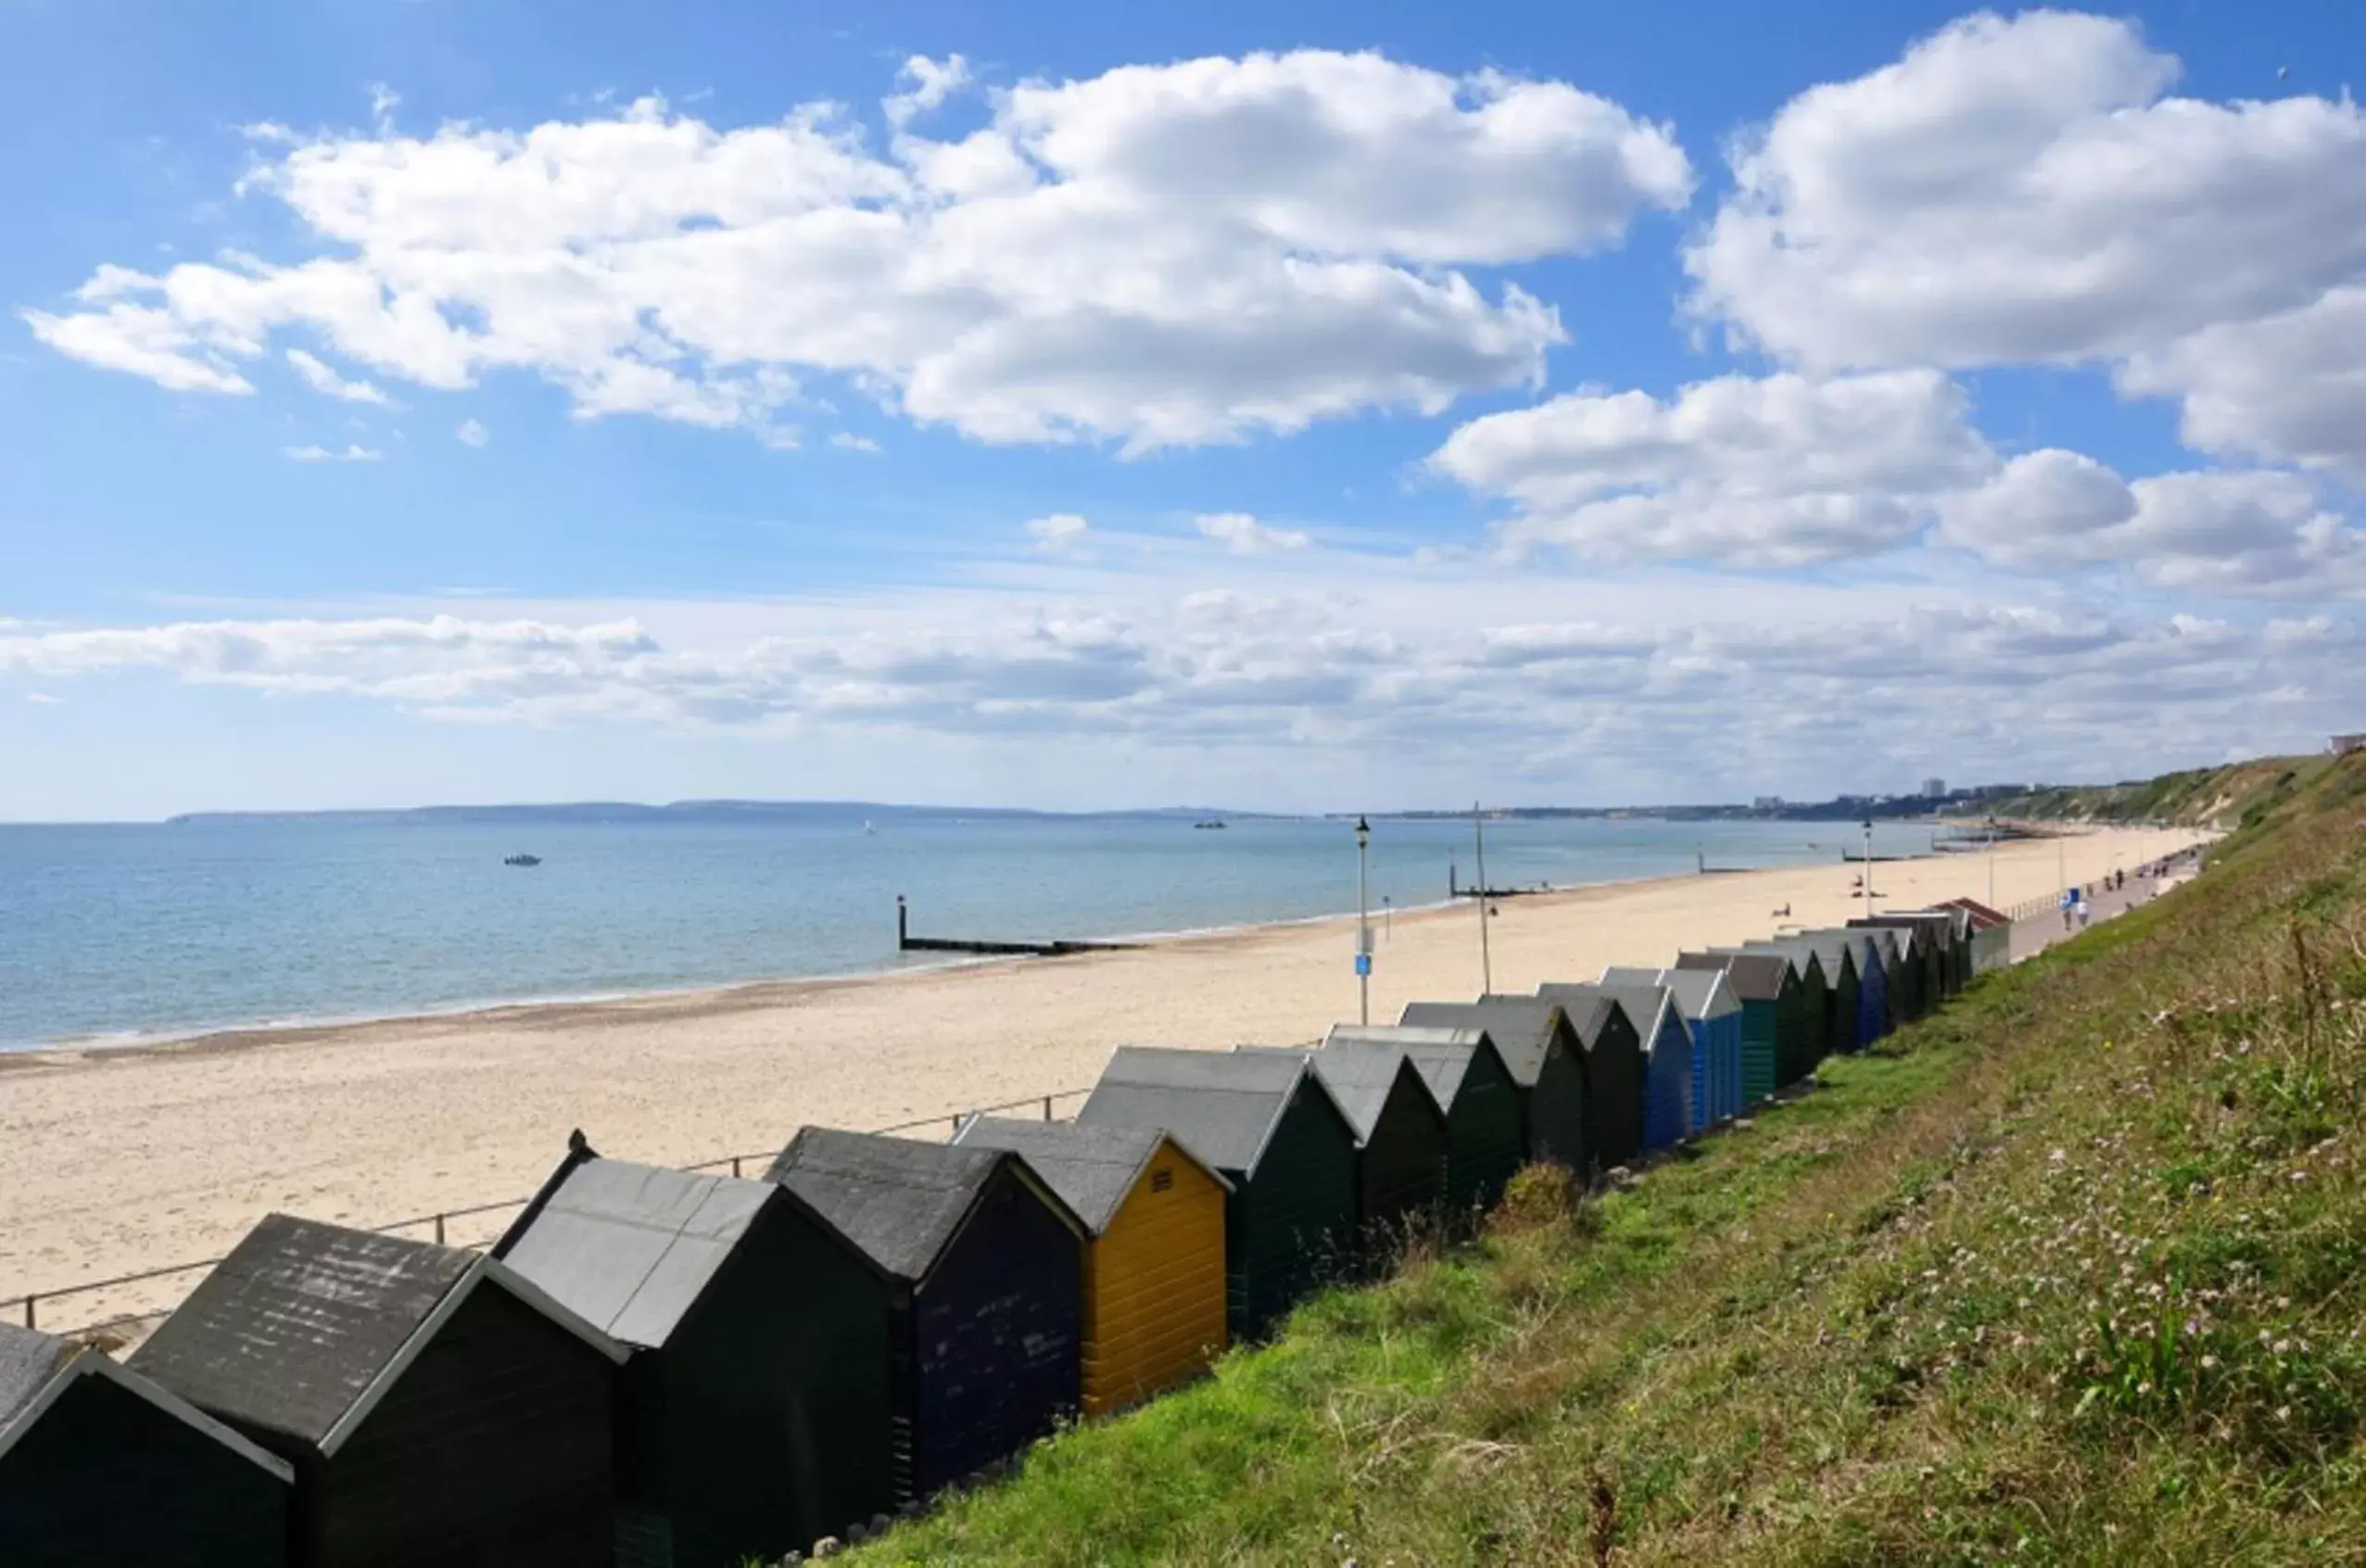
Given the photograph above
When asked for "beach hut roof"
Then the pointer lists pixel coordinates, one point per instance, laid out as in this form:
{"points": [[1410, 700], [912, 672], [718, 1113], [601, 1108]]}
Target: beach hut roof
{"points": [[1224, 1105], [1522, 1026], [1700, 993], [632, 1248], [1585, 1006], [1092, 1169], [36, 1369], [1755, 977], [1360, 1075], [898, 1200], [1630, 974], [1441, 1055], [1644, 1005], [306, 1325], [1982, 917]]}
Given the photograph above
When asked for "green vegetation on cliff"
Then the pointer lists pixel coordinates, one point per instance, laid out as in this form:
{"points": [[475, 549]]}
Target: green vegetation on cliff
{"points": [[2074, 1272], [2202, 797]]}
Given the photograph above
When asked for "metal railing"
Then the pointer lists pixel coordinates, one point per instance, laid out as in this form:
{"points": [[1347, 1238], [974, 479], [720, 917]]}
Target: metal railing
{"points": [[441, 1219]]}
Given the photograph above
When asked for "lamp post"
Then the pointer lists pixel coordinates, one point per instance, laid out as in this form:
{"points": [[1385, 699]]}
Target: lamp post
{"points": [[1478, 843], [1868, 867], [1991, 863], [1363, 922]]}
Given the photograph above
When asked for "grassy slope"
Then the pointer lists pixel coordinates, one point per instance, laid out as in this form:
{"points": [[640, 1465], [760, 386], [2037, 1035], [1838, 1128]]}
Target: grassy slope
{"points": [[2070, 1274], [2220, 797]]}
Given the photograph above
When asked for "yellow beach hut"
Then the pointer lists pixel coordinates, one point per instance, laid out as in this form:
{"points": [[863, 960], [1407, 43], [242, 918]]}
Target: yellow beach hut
{"points": [[1153, 1260]]}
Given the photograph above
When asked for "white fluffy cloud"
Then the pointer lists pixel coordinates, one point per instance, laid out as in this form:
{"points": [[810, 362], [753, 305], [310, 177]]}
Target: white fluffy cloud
{"points": [[323, 379], [1158, 256], [1396, 674], [2236, 533], [2027, 191], [1739, 471], [1244, 535], [329, 454], [1061, 532], [472, 432]]}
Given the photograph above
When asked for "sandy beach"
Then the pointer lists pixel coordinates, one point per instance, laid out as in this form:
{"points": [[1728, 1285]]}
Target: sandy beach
{"points": [[122, 1160]]}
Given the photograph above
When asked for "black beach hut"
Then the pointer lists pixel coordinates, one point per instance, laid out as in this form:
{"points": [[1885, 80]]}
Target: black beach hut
{"points": [[1614, 1048], [1467, 1076], [752, 1416], [99, 1466], [1265, 1122], [1547, 1061], [1400, 1135], [980, 1268], [436, 1407]]}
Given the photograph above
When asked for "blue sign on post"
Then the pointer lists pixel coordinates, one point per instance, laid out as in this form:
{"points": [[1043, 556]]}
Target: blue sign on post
{"points": [[1363, 963]]}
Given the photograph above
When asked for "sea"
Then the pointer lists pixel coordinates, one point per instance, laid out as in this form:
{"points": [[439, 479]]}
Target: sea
{"points": [[122, 933]]}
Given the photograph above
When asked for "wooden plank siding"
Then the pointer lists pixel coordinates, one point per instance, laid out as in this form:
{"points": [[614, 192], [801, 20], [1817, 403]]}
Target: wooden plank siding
{"points": [[1291, 1226], [1153, 1286], [491, 1451]]}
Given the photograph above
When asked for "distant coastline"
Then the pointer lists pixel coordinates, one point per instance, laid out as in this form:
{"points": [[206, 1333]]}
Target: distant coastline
{"points": [[692, 811]]}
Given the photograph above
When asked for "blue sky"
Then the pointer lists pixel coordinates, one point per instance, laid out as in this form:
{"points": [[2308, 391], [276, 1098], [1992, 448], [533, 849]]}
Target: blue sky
{"points": [[1288, 406]]}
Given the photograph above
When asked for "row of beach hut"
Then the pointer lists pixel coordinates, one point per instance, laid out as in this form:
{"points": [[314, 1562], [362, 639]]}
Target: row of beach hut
{"points": [[658, 1369]]}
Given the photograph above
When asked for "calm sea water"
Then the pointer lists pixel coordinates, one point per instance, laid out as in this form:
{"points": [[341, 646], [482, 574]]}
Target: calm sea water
{"points": [[140, 929]]}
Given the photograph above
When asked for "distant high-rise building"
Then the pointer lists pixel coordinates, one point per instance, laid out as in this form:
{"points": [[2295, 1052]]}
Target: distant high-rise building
{"points": [[1767, 803], [1935, 788]]}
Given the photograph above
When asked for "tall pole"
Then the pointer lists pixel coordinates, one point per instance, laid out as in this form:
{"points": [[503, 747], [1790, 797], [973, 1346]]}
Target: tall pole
{"points": [[1363, 922], [1486, 964], [1868, 867], [1991, 863]]}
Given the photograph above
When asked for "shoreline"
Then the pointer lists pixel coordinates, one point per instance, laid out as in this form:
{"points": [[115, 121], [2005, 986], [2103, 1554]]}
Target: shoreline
{"points": [[238, 1036], [121, 1159]]}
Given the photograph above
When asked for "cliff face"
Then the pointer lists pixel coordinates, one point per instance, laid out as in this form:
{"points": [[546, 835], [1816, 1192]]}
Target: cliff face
{"points": [[2205, 797]]}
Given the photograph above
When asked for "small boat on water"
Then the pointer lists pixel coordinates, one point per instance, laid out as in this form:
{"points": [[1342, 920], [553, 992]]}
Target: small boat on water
{"points": [[868, 830], [1205, 825], [522, 860]]}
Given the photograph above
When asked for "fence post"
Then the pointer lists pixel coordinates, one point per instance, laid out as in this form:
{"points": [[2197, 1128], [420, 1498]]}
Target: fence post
{"points": [[439, 1230], [1047, 1108], [28, 1322], [735, 1168]]}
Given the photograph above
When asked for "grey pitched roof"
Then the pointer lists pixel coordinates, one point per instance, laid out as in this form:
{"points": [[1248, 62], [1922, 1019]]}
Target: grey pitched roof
{"points": [[632, 1248], [1521, 1028], [1643, 1005], [1092, 1169], [1442, 1057], [36, 1369], [1585, 1006], [1360, 1075], [1755, 977], [1223, 1105], [898, 1200], [1701, 992], [300, 1320], [1630, 974], [1797, 954], [27, 1360]]}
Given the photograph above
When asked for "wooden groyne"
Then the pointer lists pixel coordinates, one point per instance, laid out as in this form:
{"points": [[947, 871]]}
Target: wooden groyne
{"points": [[906, 943]]}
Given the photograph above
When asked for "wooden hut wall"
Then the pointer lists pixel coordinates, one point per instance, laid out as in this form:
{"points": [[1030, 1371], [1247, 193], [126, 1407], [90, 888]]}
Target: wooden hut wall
{"points": [[1483, 1136], [494, 1446], [1614, 1055], [1558, 1108], [1798, 1030], [1292, 1223], [994, 1334], [1401, 1166], [104, 1477], [1155, 1300], [773, 1403]]}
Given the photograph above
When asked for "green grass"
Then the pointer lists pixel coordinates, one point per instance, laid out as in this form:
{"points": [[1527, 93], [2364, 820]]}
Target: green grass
{"points": [[2223, 797], [2073, 1272]]}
